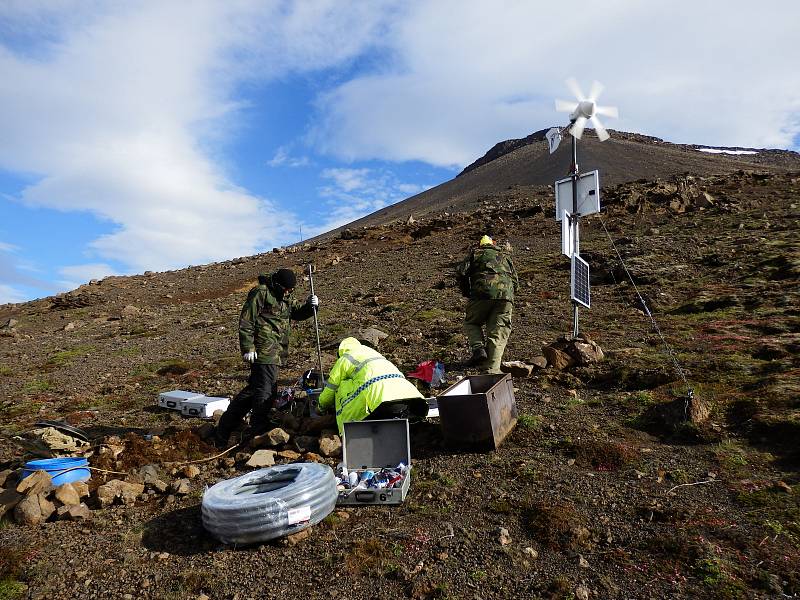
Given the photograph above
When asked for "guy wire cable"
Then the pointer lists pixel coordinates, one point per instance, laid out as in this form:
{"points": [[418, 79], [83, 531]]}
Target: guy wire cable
{"points": [[678, 369]]}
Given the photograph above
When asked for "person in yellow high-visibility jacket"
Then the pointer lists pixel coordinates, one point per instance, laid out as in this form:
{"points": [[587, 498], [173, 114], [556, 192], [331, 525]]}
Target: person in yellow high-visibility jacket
{"points": [[361, 381]]}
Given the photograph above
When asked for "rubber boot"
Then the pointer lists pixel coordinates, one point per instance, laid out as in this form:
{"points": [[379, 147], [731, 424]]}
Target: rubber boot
{"points": [[478, 357]]}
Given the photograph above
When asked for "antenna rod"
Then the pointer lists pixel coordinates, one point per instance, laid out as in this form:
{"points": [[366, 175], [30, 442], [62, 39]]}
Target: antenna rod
{"points": [[574, 225], [316, 328]]}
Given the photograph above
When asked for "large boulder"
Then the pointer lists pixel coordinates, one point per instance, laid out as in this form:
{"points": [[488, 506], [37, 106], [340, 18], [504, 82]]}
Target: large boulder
{"points": [[330, 446], [37, 482], [67, 495], [262, 458], [116, 488], [33, 509], [517, 368], [8, 500], [568, 352], [78, 512]]}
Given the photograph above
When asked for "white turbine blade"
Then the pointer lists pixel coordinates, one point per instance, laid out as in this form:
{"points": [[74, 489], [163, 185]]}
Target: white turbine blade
{"points": [[595, 91], [577, 129], [601, 132], [607, 111], [575, 89], [565, 106]]}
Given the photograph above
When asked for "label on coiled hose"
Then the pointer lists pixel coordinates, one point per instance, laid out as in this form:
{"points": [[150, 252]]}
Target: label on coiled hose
{"points": [[299, 515]]}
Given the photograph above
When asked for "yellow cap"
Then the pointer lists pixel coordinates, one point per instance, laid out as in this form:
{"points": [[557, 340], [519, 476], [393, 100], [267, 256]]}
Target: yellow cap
{"points": [[487, 241]]}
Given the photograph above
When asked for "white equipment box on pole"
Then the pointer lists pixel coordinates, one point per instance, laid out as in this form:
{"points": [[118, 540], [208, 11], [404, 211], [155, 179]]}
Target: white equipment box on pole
{"points": [[588, 195]]}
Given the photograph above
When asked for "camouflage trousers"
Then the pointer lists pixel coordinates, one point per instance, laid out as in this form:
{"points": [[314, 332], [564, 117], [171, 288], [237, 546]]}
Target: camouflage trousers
{"points": [[495, 316]]}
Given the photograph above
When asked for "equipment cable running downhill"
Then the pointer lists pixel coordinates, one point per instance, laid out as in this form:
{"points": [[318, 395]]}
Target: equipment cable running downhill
{"points": [[676, 364]]}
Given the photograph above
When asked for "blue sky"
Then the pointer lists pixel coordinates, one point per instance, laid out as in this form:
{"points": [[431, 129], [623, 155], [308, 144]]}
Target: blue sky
{"points": [[154, 135]]}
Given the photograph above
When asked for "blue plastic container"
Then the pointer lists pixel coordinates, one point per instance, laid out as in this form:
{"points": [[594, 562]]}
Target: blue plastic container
{"points": [[62, 470]]}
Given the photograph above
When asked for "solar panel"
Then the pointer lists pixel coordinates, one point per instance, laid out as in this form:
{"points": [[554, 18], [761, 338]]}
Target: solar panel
{"points": [[579, 290]]}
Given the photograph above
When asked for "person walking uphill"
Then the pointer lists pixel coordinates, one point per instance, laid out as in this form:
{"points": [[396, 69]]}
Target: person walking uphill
{"points": [[363, 384], [488, 278], [264, 327]]}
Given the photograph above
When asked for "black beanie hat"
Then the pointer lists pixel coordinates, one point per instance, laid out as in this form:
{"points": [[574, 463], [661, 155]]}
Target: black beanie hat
{"points": [[285, 278]]}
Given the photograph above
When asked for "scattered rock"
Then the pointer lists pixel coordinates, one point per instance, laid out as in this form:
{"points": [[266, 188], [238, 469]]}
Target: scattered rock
{"points": [[517, 368], [8, 500], [262, 458], [312, 457], [10, 324], [557, 359], [296, 538], [505, 537], [331, 446], [150, 473], [304, 443], [181, 487], [33, 509], [191, 471], [582, 562], [371, 336], [582, 592], [531, 553], [67, 495], [289, 454], [5, 475], [783, 487], [35, 483], [116, 488], [566, 352], [277, 437], [160, 486], [540, 362], [77, 512], [671, 415], [131, 311]]}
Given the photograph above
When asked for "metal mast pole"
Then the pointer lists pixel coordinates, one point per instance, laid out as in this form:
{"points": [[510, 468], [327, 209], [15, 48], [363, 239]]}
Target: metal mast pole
{"points": [[574, 225], [316, 327]]}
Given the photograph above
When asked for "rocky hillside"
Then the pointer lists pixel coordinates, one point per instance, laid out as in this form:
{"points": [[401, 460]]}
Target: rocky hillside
{"points": [[527, 162], [593, 495]]}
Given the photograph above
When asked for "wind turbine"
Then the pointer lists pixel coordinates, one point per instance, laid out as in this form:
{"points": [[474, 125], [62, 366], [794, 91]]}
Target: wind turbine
{"points": [[586, 109]]}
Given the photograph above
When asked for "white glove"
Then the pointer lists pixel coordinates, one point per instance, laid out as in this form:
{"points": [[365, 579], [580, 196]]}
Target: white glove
{"points": [[250, 356], [313, 300]]}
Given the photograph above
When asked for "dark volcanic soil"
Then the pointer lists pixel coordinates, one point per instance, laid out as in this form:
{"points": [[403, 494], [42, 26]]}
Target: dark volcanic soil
{"points": [[598, 499]]}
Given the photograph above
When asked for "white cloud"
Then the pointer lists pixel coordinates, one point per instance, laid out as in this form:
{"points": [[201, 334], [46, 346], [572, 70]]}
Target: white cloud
{"points": [[347, 179], [465, 75], [76, 275], [122, 108], [9, 294], [282, 158], [354, 193]]}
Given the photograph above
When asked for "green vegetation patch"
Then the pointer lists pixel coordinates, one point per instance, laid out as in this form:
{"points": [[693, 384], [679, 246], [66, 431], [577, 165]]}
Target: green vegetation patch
{"points": [[60, 359]]}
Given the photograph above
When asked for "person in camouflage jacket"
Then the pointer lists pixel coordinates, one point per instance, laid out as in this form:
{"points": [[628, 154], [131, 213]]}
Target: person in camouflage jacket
{"points": [[488, 278], [264, 328]]}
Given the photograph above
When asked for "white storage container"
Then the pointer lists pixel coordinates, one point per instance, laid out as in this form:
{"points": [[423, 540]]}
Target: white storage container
{"points": [[174, 399], [204, 406]]}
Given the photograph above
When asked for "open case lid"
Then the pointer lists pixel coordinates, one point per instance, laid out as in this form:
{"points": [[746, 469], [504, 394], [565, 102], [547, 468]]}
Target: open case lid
{"points": [[376, 444]]}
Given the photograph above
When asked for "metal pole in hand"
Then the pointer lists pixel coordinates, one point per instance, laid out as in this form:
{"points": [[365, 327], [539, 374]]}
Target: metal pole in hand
{"points": [[316, 327]]}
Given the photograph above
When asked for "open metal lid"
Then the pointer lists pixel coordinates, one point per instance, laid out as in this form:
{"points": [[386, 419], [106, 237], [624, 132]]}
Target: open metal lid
{"points": [[376, 444]]}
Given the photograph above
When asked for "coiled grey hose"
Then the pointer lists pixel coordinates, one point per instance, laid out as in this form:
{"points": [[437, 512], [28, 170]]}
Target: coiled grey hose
{"points": [[269, 503]]}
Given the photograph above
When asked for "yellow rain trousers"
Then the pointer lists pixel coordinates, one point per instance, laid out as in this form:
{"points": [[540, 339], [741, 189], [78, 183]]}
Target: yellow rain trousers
{"points": [[360, 380]]}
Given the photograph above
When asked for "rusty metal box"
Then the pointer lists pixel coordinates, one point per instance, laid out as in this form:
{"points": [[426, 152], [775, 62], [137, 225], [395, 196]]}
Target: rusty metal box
{"points": [[479, 410]]}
